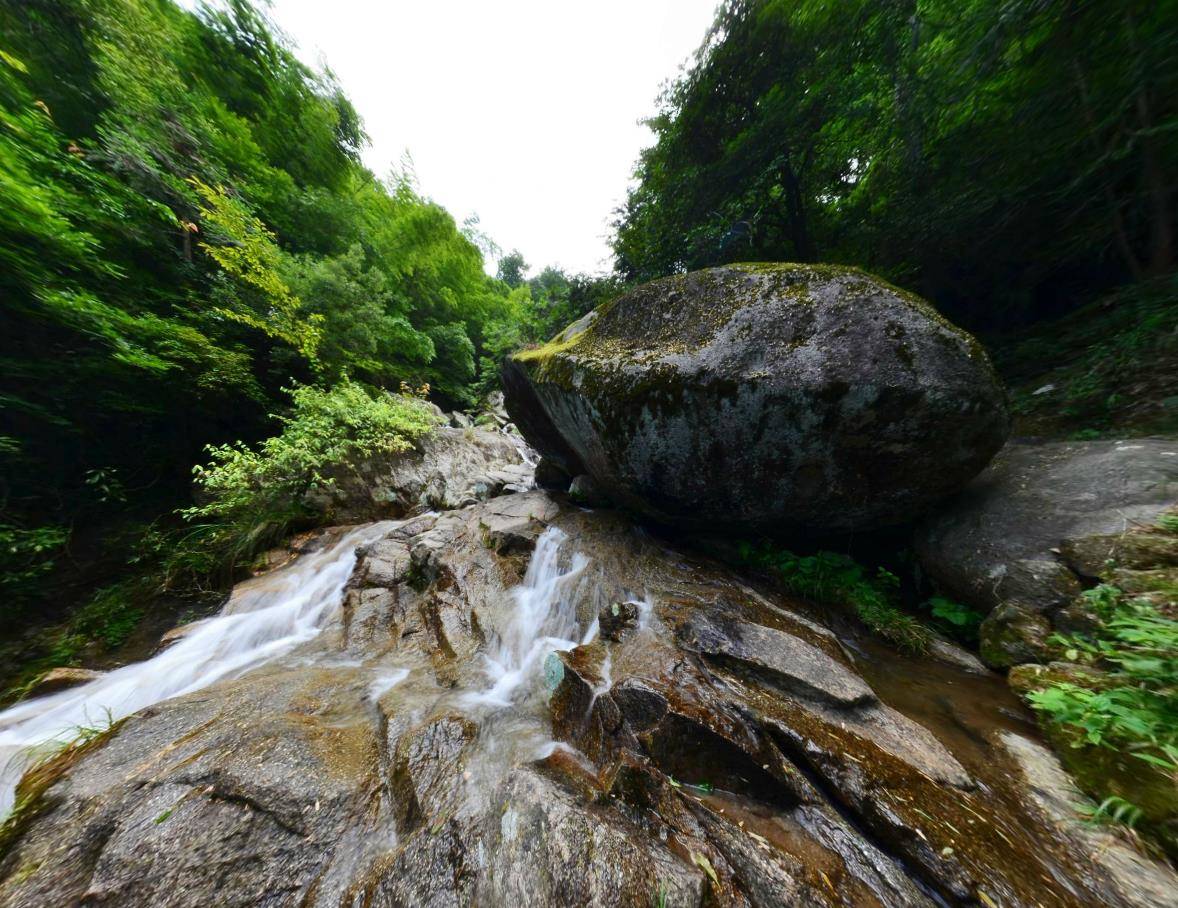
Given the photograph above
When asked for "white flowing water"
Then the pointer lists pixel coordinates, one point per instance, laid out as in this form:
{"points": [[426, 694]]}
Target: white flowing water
{"points": [[526, 452], [543, 621], [266, 618]]}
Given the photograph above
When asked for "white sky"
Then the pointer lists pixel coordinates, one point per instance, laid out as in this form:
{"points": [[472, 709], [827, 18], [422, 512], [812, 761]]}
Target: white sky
{"points": [[524, 112]]}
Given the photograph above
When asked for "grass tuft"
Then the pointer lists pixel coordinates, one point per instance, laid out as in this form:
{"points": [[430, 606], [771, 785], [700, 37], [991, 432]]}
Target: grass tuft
{"points": [[44, 774], [839, 579]]}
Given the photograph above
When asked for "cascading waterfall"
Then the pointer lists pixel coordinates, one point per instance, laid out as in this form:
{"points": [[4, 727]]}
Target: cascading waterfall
{"points": [[265, 619], [543, 621], [506, 703], [526, 452], [271, 615]]}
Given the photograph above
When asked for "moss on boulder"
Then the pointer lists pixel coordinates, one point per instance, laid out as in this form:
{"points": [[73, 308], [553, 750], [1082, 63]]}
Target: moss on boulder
{"points": [[764, 396]]}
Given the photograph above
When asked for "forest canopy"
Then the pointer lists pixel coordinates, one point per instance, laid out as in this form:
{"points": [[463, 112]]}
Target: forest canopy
{"points": [[1008, 160], [188, 230]]}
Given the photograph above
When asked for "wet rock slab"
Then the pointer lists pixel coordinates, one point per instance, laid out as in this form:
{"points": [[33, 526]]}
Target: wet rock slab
{"points": [[784, 659], [1041, 523], [721, 749]]}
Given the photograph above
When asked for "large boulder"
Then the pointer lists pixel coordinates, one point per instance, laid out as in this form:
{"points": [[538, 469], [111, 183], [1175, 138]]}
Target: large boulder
{"points": [[764, 397], [1044, 520]]}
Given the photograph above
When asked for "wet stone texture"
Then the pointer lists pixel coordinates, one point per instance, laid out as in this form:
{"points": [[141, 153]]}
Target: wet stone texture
{"points": [[716, 747], [762, 397]]}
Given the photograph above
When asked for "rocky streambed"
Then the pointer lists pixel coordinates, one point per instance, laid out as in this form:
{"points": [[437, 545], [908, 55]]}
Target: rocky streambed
{"points": [[525, 702]]}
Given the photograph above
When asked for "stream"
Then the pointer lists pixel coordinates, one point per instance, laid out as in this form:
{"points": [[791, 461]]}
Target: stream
{"points": [[266, 618], [437, 711], [269, 616]]}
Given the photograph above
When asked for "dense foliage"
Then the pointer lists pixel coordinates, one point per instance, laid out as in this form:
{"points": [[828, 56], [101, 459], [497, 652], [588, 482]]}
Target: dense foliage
{"points": [[250, 496], [1006, 159], [186, 230], [541, 306]]}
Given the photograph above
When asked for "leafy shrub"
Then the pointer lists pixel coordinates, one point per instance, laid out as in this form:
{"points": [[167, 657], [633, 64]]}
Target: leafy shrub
{"points": [[1132, 704], [25, 557], [831, 577], [252, 496], [1169, 523], [958, 620], [113, 613]]}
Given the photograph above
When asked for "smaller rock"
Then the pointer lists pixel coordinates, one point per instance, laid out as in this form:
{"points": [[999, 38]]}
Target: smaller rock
{"points": [[176, 634], [642, 706], [582, 712], [1031, 676], [507, 480], [59, 679], [782, 658], [425, 548], [411, 528], [1078, 618], [585, 491], [951, 654], [460, 420], [386, 563], [617, 620], [1091, 556], [1013, 634], [496, 409], [516, 521]]}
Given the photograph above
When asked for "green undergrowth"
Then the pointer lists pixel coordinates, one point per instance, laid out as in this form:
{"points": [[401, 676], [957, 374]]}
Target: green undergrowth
{"points": [[873, 597], [1109, 369], [249, 499], [1118, 714], [98, 628], [1131, 702]]}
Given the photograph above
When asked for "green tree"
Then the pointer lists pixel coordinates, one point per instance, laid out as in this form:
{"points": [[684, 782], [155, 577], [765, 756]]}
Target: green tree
{"points": [[513, 269], [187, 229], [1006, 160]]}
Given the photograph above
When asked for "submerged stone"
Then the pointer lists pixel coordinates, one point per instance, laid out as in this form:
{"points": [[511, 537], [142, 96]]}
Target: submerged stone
{"points": [[764, 396]]}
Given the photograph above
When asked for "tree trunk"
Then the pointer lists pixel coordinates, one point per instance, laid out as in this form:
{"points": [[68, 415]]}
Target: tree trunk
{"points": [[1161, 221], [1117, 220], [795, 209]]}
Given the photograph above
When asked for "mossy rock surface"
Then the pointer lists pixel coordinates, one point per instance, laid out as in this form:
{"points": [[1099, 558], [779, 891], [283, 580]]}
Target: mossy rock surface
{"points": [[764, 397]]}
